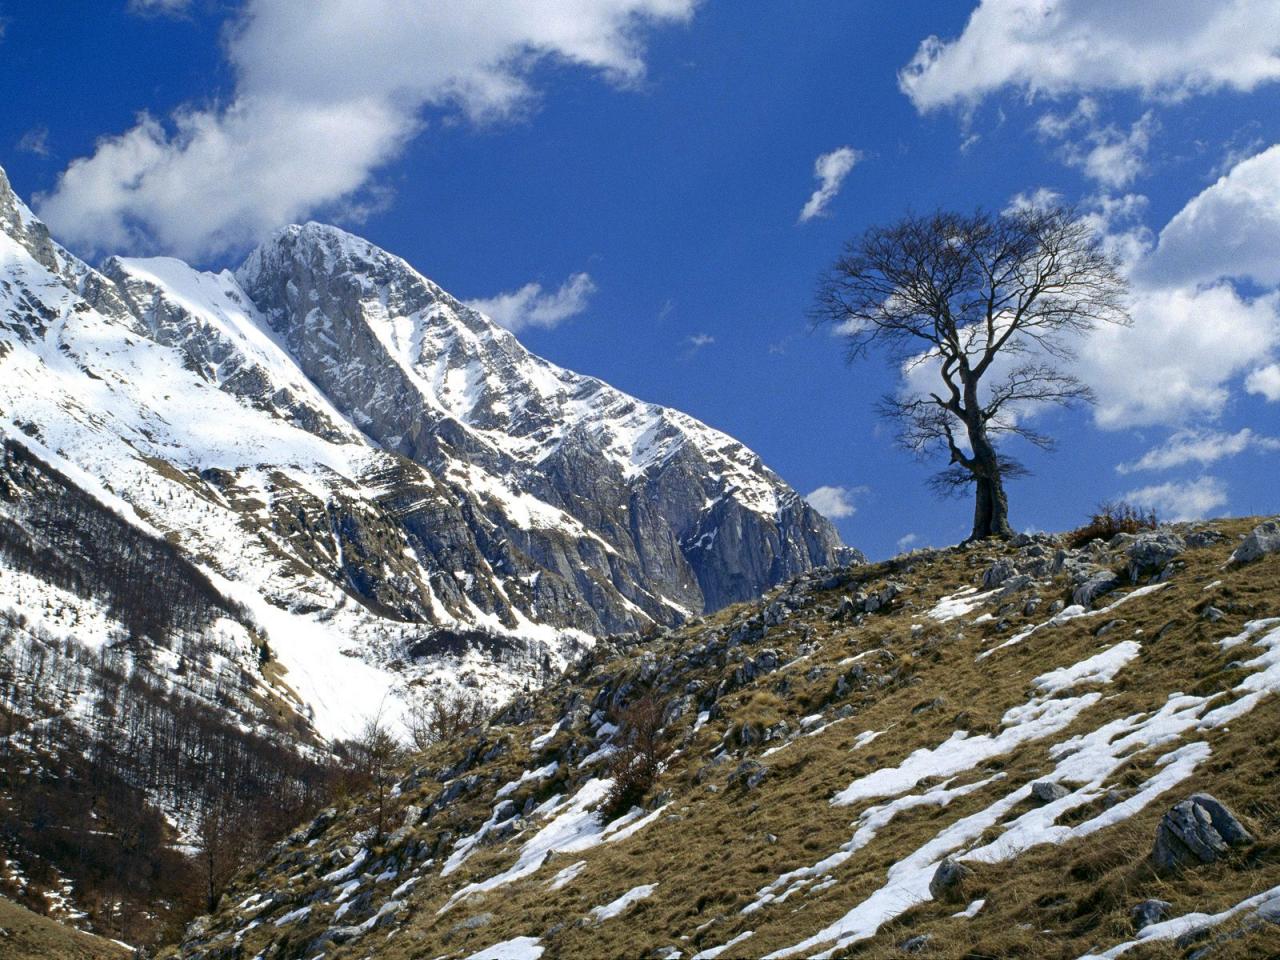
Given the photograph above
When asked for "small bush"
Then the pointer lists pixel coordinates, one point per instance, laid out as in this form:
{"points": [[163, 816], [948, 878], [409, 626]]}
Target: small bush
{"points": [[1110, 519], [634, 768]]}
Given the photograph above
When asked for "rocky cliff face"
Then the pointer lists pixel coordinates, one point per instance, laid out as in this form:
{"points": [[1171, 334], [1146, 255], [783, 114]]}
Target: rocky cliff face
{"points": [[384, 473]]}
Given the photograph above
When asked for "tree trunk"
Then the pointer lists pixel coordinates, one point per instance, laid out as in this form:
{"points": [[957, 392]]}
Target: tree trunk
{"points": [[991, 509], [991, 506]]}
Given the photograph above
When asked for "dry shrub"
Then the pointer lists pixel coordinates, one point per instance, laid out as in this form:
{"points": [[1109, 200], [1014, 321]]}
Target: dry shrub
{"points": [[634, 767], [1110, 519], [445, 718]]}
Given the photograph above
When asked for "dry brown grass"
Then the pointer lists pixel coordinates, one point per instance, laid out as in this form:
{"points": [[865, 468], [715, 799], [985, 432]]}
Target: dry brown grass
{"points": [[713, 848]]}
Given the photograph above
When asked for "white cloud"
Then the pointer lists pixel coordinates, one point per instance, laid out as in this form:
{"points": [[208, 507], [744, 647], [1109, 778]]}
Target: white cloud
{"points": [[1189, 500], [1266, 382], [531, 306], [168, 8], [1105, 153], [1195, 333], [35, 140], [834, 503], [1231, 229], [829, 169], [1176, 362], [326, 94], [1041, 198], [1054, 47], [1199, 446], [907, 540], [700, 340]]}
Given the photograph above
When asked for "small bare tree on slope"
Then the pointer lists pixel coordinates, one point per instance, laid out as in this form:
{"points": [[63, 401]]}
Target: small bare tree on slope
{"points": [[989, 301]]}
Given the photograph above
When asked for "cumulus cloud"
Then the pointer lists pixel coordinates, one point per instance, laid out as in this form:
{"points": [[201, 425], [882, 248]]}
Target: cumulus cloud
{"points": [[1195, 332], [834, 503], [1057, 47], [1186, 500], [326, 94], [1231, 229], [829, 169], [1199, 446], [1105, 153], [531, 306], [1265, 381], [907, 540], [1176, 363]]}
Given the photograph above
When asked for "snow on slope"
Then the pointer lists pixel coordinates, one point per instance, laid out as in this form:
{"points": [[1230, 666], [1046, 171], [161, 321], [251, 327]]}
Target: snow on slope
{"points": [[205, 413]]}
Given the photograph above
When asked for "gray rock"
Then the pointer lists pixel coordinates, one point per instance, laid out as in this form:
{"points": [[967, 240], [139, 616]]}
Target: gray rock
{"points": [[1149, 912], [1262, 540], [915, 944], [1199, 829], [946, 880], [998, 573], [1102, 582], [1200, 539], [1047, 791], [1212, 614], [1150, 552], [750, 774]]}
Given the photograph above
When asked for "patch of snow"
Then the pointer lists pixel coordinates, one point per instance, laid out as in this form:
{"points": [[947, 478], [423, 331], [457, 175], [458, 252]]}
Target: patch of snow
{"points": [[518, 948], [616, 907]]}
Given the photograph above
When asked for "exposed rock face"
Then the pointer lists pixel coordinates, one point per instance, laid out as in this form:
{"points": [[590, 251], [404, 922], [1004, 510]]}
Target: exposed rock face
{"points": [[674, 505], [1197, 830], [1151, 552], [1104, 581], [1262, 540], [335, 433]]}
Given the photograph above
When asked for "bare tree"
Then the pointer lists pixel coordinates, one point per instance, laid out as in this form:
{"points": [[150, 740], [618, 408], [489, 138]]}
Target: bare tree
{"points": [[376, 757], [444, 717], [989, 300]]}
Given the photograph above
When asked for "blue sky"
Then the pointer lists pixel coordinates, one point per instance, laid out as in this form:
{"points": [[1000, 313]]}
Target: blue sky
{"points": [[645, 164]]}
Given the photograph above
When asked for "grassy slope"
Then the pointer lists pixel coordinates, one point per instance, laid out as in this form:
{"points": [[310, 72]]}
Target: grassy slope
{"points": [[28, 936], [715, 844]]}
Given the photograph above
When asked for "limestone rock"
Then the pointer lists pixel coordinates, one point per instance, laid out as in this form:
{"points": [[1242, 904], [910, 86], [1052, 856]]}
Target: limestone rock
{"points": [[1199, 829], [1262, 540]]}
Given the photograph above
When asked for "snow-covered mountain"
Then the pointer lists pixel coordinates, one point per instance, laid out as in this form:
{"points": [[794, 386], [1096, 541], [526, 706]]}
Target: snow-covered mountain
{"points": [[387, 484]]}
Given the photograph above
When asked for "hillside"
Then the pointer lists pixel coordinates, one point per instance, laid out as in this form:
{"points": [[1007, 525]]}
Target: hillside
{"points": [[28, 936], [1021, 716]]}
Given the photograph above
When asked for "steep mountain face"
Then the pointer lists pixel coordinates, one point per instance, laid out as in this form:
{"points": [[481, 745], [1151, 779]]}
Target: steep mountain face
{"points": [[266, 504], [374, 468], [1034, 749]]}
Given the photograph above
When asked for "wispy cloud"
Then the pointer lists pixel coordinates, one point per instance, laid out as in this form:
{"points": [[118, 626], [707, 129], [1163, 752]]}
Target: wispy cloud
{"points": [[35, 140], [531, 306], [907, 540], [830, 169], [1199, 446], [161, 8], [699, 340], [1181, 500], [1104, 152]]}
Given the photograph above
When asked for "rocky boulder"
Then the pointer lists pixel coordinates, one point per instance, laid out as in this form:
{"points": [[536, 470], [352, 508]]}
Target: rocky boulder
{"points": [[946, 881], [1104, 581], [1150, 552], [1262, 540], [1199, 829]]}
